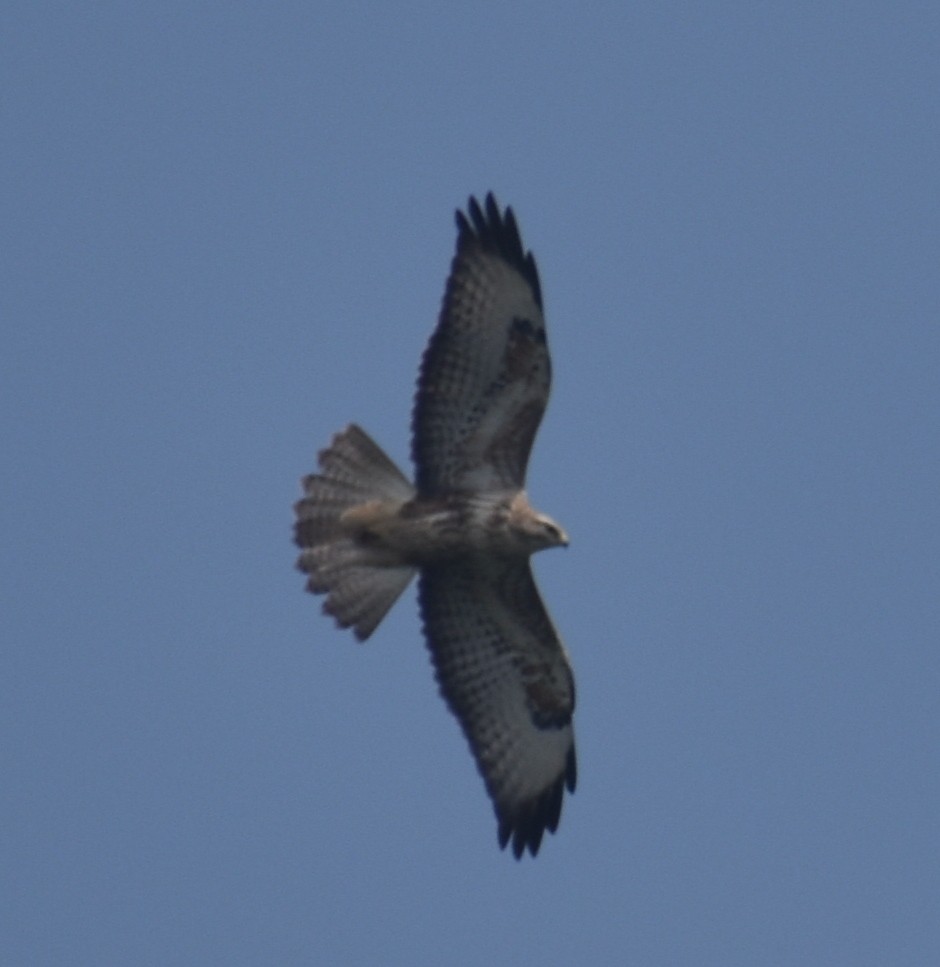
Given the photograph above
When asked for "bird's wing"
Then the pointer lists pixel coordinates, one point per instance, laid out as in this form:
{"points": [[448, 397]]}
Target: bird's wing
{"points": [[486, 373], [505, 675]]}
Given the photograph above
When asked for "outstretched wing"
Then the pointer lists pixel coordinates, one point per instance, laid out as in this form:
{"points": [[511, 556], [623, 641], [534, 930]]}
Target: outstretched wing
{"points": [[505, 676], [486, 373]]}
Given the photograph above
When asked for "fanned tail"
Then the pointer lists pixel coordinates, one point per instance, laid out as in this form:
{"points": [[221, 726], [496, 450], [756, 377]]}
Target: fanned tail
{"points": [[360, 583]]}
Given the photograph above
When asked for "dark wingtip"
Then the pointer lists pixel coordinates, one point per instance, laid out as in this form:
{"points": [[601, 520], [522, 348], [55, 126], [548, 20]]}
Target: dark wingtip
{"points": [[498, 232], [521, 837], [526, 826]]}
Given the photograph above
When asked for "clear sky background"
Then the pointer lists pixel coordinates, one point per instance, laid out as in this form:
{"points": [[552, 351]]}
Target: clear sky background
{"points": [[225, 230]]}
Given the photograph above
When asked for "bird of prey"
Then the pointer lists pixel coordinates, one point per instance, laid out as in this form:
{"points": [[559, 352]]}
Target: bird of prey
{"points": [[465, 527]]}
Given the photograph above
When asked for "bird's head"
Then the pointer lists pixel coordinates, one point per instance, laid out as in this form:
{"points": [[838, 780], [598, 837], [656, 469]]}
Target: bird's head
{"points": [[537, 531]]}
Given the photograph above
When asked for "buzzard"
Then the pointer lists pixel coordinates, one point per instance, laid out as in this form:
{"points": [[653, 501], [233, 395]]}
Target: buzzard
{"points": [[465, 527]]}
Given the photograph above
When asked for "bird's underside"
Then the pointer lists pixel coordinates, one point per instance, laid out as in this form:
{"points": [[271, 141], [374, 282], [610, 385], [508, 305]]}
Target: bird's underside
{"points": [[465, 527]]}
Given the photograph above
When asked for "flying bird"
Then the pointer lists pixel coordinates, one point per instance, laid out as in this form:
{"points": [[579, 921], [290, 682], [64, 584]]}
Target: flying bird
{"points": [[465, 527]]}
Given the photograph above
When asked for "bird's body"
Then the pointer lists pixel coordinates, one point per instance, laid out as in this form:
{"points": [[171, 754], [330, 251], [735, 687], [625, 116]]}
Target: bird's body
{"points": [[465, 526], [423, 531]]}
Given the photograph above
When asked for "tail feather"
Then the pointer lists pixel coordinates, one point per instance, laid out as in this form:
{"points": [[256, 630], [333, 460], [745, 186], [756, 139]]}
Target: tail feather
{"points": [[358, 595], [355, 459], [354, 470], [360, 584]]}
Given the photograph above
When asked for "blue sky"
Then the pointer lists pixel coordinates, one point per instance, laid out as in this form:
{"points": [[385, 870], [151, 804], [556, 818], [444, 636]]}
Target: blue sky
{"points": [[226, 233]]}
